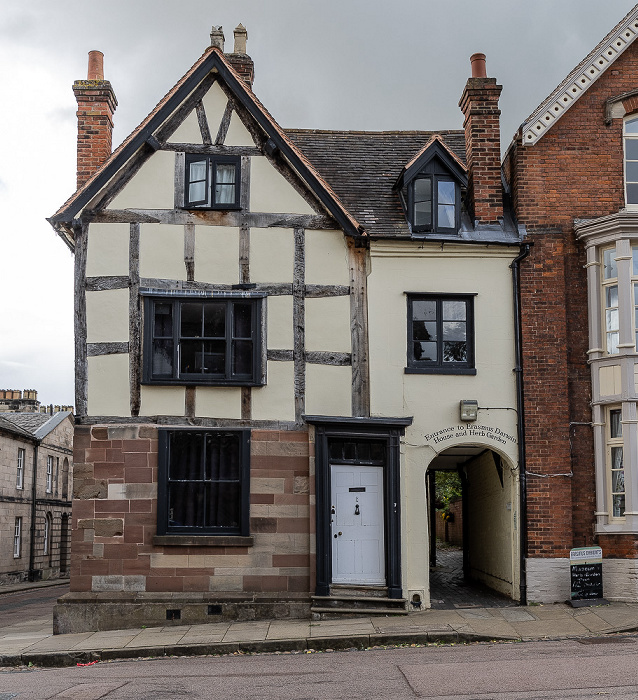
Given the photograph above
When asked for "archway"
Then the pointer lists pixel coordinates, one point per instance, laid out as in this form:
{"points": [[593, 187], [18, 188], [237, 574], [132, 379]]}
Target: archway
{"points": [[474, 560]]}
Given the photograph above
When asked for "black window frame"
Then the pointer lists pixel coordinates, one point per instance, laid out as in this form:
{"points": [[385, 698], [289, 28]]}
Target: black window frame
{"points": [[439, 366], [164, 527], [429, 173], [212, 161], [256, 376]]}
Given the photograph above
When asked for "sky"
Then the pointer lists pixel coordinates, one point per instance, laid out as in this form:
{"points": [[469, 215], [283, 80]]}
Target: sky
{"points": [[334, 64]]}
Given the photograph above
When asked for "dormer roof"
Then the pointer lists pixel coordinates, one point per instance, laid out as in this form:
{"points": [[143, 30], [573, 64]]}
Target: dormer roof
{"points": [[576, 84], [434, 148]]}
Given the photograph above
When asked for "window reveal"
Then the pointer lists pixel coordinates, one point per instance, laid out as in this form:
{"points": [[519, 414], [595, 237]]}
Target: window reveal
{"points": [[615, 462], [212, 182], [440, 333], [212, 341], [204, 482]]}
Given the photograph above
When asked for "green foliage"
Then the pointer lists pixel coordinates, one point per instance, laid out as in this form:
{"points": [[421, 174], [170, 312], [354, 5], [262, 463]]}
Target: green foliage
{"points": [[448, 489]]}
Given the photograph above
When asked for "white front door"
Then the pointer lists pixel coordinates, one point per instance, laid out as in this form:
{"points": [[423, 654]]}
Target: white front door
{"points": [[358, 553]]}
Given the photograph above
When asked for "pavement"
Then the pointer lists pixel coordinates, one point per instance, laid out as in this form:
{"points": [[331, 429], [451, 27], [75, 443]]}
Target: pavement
{"points": [[31, 641]]}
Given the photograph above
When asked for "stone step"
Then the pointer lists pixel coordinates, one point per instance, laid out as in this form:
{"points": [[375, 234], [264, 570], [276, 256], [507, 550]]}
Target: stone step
{"points": [[325, 613], [362, 599]]}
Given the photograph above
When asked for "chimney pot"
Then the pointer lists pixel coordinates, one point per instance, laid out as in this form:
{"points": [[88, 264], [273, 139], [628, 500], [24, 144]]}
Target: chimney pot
{"points": [[241, 36], [96, 66], [217, 37], [477, 60]]}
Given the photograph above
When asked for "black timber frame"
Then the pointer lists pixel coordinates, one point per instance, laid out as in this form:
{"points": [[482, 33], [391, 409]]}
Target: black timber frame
{"points": [[390, 430], [144, 138]]}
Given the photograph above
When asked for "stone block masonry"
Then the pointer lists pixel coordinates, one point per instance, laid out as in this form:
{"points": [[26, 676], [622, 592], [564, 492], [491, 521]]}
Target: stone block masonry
{"points": [[115, 550]]}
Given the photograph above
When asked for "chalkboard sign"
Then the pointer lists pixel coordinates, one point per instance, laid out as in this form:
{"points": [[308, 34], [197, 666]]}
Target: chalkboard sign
{"points": [[586, 567]]}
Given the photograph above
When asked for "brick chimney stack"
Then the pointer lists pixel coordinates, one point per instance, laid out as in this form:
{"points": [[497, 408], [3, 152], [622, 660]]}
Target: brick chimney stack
{"points": [[479, 104], [96, 105]]}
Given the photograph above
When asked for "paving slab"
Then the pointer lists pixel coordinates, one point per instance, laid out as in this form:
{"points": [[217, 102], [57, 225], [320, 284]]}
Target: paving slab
{"points": [[539, 629], [517, 615]]}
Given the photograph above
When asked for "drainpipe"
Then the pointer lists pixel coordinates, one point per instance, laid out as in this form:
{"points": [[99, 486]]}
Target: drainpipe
{"points": [[32, 571], [520, 430]]}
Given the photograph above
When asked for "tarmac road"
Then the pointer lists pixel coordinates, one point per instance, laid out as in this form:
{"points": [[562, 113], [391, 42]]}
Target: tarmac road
{"points": [[31, 604], [568, 669]]}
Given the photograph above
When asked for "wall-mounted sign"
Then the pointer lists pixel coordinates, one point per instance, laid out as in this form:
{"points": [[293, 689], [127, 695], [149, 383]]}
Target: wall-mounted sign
{"points": [[469, 432], [586, 568]]}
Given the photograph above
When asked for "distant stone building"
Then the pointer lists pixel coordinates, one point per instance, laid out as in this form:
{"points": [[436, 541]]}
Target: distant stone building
{"points": [[26, 402], [36, 483]]}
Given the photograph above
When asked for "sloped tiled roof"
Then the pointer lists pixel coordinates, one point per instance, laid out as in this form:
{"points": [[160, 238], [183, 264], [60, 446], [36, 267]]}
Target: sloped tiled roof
{"points": [[599, 59], [35, 425], [12, 427], [362, 167]]}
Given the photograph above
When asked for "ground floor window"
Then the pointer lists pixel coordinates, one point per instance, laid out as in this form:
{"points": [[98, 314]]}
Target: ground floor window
{"points": [[615, 462], [17, 538], [203, 482]]}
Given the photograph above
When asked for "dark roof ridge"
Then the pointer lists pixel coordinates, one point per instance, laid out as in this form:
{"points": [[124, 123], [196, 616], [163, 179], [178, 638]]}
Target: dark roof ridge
{"points": [[416, 132]]}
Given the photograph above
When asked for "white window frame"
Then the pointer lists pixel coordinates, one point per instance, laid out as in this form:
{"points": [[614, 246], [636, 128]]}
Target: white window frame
{"points": [[17, 538], [607, 325], [49, 483], [613, 443], [48, 521], [20, 468], [628, 136]]}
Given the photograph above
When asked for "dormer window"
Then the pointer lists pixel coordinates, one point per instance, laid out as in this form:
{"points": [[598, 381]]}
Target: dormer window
{"points": [[212, 182], [434, 203], [430, 189]]}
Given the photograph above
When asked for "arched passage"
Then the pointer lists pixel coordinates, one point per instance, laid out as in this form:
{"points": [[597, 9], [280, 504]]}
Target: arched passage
{"points": [[479, 564]]}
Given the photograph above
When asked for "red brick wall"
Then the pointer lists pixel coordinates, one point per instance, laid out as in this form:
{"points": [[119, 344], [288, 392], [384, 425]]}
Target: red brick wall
{"points": [[574, 171], [113, 537]]}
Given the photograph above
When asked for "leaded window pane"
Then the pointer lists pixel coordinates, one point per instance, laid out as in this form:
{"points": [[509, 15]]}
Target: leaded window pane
{"points": [[191, 325], [424, 330], [446, 192], [242, 360], [425, 352], [424, 310], [423, 202], [454, 351], [631, 126], [618, 506], [215, 320], [225, 183], [163, 358], [615, 424], [612, 343], [214, 357], [163, 320], [242, 320], [447, 216], [454, 310], [610, 271]]}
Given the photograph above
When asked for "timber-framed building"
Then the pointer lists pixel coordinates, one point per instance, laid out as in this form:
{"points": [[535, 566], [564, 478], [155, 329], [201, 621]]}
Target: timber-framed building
{"points": [[279, 334]]}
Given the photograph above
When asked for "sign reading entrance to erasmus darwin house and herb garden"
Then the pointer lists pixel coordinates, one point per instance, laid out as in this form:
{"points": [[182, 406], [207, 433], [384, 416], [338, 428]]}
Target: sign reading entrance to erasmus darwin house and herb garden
{"points": [[470, 432], [586, 567]]}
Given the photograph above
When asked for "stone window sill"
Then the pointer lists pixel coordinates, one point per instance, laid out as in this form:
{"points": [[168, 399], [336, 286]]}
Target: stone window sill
{"points": [[203, 540]]}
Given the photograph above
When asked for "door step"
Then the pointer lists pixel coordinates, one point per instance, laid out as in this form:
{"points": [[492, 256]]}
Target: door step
{"points": [[337, 605]]}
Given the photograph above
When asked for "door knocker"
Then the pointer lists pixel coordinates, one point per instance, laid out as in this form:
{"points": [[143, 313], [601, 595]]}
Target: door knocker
{"points": [[356, 509]]}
